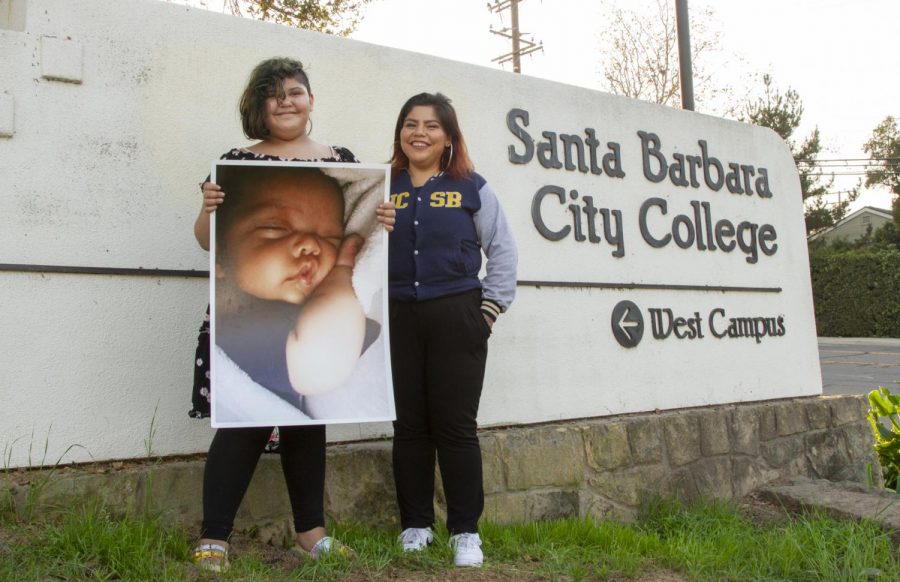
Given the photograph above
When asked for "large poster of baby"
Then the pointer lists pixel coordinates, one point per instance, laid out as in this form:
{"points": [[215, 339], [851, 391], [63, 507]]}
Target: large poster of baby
{"points": [[298, 266]]}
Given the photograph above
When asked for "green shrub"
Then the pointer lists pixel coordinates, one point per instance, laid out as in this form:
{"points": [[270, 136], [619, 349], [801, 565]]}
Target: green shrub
{"points": [[856, 292], [883, 404]]}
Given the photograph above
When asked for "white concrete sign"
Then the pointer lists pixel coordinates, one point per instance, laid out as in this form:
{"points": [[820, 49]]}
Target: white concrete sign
{"points": [[663, 251], [662, 254]]}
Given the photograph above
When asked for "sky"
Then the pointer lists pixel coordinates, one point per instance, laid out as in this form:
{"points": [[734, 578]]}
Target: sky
{"points": [[837, 54]]}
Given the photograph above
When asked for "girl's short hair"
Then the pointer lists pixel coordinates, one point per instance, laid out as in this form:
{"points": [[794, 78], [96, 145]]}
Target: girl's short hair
{"points": [[457, 164], [267, 80]]}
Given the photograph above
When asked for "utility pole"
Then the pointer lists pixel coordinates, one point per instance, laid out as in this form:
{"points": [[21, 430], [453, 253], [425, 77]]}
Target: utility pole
{"points": [[520, 44], [684, 54]]}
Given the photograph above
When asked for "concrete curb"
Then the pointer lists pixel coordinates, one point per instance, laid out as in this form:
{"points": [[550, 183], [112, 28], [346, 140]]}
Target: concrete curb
{"points": [[846, 500]]}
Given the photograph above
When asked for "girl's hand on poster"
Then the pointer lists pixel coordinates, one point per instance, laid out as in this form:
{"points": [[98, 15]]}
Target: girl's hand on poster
{"points": [[212, 196], [386, 215]]}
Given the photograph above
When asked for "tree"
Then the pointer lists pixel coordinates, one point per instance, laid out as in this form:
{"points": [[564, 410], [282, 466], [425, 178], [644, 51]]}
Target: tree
{"points": [[640, 54], [337, 17], [884, 151], [782, 113]]}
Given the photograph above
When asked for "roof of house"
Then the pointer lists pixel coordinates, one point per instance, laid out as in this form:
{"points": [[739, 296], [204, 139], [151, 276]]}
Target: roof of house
{"points": [[880, 212]]}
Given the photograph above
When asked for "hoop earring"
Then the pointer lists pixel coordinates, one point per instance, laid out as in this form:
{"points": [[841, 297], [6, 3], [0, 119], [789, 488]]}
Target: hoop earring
{"points": [[450, 159], [309, 125]]}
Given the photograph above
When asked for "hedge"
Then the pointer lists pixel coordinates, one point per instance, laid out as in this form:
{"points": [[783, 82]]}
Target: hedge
{"points": [[856, 293]]}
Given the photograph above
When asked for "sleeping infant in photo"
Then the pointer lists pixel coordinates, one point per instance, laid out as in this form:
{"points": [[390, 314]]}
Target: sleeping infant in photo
{"points": [[286, 312]]}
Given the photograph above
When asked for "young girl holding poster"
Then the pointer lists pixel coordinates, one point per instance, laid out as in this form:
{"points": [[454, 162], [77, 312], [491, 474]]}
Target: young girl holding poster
{"points": [[275, 109], [441, 316]]}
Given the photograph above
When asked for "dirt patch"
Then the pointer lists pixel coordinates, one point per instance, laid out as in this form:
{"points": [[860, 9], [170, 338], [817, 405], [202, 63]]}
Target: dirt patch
{"points": [[282, 558], [662, 576], [486, 574], [285, 561], [763, 512]]}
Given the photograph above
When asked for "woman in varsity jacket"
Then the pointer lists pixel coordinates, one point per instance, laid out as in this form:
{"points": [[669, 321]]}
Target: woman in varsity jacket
{"points": [[441, 317]]}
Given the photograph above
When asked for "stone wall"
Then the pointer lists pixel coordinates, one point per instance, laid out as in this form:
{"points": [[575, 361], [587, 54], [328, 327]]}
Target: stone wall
{"points": [[597, 467], [601, 467]]}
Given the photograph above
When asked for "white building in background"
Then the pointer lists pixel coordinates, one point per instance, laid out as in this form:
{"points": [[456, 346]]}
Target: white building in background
{"points": [[855, 225]]}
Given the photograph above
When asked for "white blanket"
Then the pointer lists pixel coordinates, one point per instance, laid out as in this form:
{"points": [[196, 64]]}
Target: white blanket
{"points": [[363, 191], [365, 396]]}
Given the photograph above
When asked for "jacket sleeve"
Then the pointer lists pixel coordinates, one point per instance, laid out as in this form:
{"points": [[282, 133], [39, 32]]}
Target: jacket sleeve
{"points": [[495, 237]]}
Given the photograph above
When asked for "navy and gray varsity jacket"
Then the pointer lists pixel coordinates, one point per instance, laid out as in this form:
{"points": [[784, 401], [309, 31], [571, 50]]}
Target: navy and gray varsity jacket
{"points": [[441, 230]]}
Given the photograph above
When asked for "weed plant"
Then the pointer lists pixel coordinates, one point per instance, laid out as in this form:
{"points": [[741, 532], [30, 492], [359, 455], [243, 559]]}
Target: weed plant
{"points": [[705, 541], [884, 417], [44, 477]]}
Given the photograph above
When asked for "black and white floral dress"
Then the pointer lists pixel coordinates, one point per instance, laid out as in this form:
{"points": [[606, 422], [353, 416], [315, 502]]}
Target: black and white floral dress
{"points": [[200, 398]]}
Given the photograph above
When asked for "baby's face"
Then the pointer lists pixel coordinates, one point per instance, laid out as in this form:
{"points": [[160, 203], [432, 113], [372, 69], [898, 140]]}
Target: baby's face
{"points": [[286, 240]]}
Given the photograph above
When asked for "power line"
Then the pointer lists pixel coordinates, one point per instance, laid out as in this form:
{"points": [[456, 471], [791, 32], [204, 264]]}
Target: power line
{"points": [[848, 166], [844, 173], [856, 165], [850, 160]]}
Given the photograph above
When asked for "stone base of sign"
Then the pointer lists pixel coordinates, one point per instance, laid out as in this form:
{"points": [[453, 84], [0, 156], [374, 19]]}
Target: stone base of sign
{"points": [[598, 467]]}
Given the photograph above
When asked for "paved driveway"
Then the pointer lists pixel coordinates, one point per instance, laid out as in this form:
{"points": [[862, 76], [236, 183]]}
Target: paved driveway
{"points": [[859, 365]]}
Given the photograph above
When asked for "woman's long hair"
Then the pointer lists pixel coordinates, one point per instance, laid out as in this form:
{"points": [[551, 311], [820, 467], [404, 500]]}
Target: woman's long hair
{"points": [[455, 160]]}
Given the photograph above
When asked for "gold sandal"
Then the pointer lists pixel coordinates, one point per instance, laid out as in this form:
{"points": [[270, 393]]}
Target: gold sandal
{"points": [[210, 557]]}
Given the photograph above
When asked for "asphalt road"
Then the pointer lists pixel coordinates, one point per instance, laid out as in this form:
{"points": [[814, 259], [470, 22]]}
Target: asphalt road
{"points": [[859, 365]]}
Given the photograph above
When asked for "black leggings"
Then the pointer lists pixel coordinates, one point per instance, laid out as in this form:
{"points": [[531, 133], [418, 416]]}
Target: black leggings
{"points": [[232, 459]]}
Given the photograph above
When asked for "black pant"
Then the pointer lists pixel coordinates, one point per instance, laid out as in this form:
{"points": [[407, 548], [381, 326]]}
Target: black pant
{"points": [[233, 456], [438, 355]]}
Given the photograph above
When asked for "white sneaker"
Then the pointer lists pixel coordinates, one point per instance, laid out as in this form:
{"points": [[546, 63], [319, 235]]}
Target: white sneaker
{"points": [[467, 550], [415, 539]]}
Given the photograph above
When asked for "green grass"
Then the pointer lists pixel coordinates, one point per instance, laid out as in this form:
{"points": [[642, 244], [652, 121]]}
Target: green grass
{"points": [[706, 541], [92, 544], [713, 540]]}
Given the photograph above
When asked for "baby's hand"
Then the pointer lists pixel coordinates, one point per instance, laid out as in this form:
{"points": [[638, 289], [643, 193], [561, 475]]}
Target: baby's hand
{"points": [[386, 215], [212, 196], [349, 249]]}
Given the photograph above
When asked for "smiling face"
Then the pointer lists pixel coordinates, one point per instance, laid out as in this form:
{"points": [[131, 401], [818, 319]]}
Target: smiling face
{"points": [[288, 115], [423, 139], [284, 239]]}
